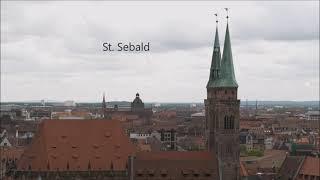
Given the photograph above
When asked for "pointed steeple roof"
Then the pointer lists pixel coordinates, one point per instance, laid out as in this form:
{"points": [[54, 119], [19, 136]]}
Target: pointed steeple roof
{"points": [[104, 105], [215, 62], [216, 39], [228, 78]]}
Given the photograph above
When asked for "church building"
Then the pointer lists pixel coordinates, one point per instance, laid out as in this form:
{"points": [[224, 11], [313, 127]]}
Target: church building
{"points": [[222, 110]]}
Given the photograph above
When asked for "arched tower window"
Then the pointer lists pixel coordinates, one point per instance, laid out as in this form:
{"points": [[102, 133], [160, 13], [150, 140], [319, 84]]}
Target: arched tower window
{"points": [[225, 122], [229, 122], [229, 149]]}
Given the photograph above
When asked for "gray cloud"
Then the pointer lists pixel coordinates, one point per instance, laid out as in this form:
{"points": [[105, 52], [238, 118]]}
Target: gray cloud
{"points": [[54, 49]]}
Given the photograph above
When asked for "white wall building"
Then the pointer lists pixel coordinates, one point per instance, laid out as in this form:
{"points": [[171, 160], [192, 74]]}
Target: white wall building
{"points": [[313, 115]]}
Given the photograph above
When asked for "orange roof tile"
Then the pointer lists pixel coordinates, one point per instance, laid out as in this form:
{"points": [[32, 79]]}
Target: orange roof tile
{"points": [[176, 165], [243, 170], [176, 155], [11, 152], [310, 166], [77, 145], [303, 140]]}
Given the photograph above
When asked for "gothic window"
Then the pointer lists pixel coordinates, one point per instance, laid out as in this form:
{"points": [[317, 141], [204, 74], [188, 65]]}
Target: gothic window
{"points": [[225, 122], [228, 149], [229, 122]]}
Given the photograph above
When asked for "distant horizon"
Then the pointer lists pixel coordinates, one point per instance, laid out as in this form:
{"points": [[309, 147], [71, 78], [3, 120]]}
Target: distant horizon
{"points": [[149, 102]]}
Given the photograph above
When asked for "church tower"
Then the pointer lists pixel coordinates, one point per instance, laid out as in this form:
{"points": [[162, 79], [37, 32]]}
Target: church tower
{"points": [[106, 115], [222, 110]]}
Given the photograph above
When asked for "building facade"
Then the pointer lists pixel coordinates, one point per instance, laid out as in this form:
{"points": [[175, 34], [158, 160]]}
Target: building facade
{"points": [[222, 110], [135, 110]]}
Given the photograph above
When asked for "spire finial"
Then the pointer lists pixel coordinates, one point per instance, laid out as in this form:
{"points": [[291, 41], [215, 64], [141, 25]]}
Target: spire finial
{"points": [[227, 9], [216, 14]]}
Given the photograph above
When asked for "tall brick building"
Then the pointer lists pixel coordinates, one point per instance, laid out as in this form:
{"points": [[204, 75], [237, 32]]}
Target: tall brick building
{"points": [[222, 110]]}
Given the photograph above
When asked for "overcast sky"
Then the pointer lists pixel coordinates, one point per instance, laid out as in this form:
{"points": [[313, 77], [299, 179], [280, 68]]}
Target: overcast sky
{"points": [[53, 50]]}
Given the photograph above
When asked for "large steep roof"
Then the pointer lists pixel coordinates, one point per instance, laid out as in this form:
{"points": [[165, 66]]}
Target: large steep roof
{"points": [[226, 74], [77, 145], [215, 62], [228, 78]]}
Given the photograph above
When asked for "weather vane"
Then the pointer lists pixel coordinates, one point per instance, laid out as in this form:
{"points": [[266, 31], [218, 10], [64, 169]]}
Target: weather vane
{"points": [[216, 14], [227, 9]]}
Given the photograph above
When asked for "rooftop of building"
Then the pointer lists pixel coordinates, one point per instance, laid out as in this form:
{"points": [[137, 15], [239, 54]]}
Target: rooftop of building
{"points": [[310, 166], [299, 165], [174, 164], [11, 152], [313, 113], [77, 145]]}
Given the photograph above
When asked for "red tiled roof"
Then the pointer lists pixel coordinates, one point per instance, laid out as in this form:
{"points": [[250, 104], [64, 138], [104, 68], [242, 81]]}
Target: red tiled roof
{"points": [[290, 166], [243, 170], [303, 140], [11, 152], [310, 166], [176, 155], [77, 145], [176, 165]]}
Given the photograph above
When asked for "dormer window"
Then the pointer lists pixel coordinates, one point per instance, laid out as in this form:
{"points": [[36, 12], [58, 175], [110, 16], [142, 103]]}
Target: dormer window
{"points": [[163, 172], [139, 172]]}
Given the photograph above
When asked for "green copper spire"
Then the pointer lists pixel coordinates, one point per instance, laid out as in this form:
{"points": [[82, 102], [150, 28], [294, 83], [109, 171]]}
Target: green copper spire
{"points": [[215, 62], [227, 78]]}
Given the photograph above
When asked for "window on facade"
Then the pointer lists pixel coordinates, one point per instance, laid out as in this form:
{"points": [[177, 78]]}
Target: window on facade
{"points": [[167, 136], [228, 149], [225, 91], [229, 122], [225, 122]]}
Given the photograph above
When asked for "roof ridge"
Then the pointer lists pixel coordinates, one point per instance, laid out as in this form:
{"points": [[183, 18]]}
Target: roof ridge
{"points": [[299, 168], [45, 144]]}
